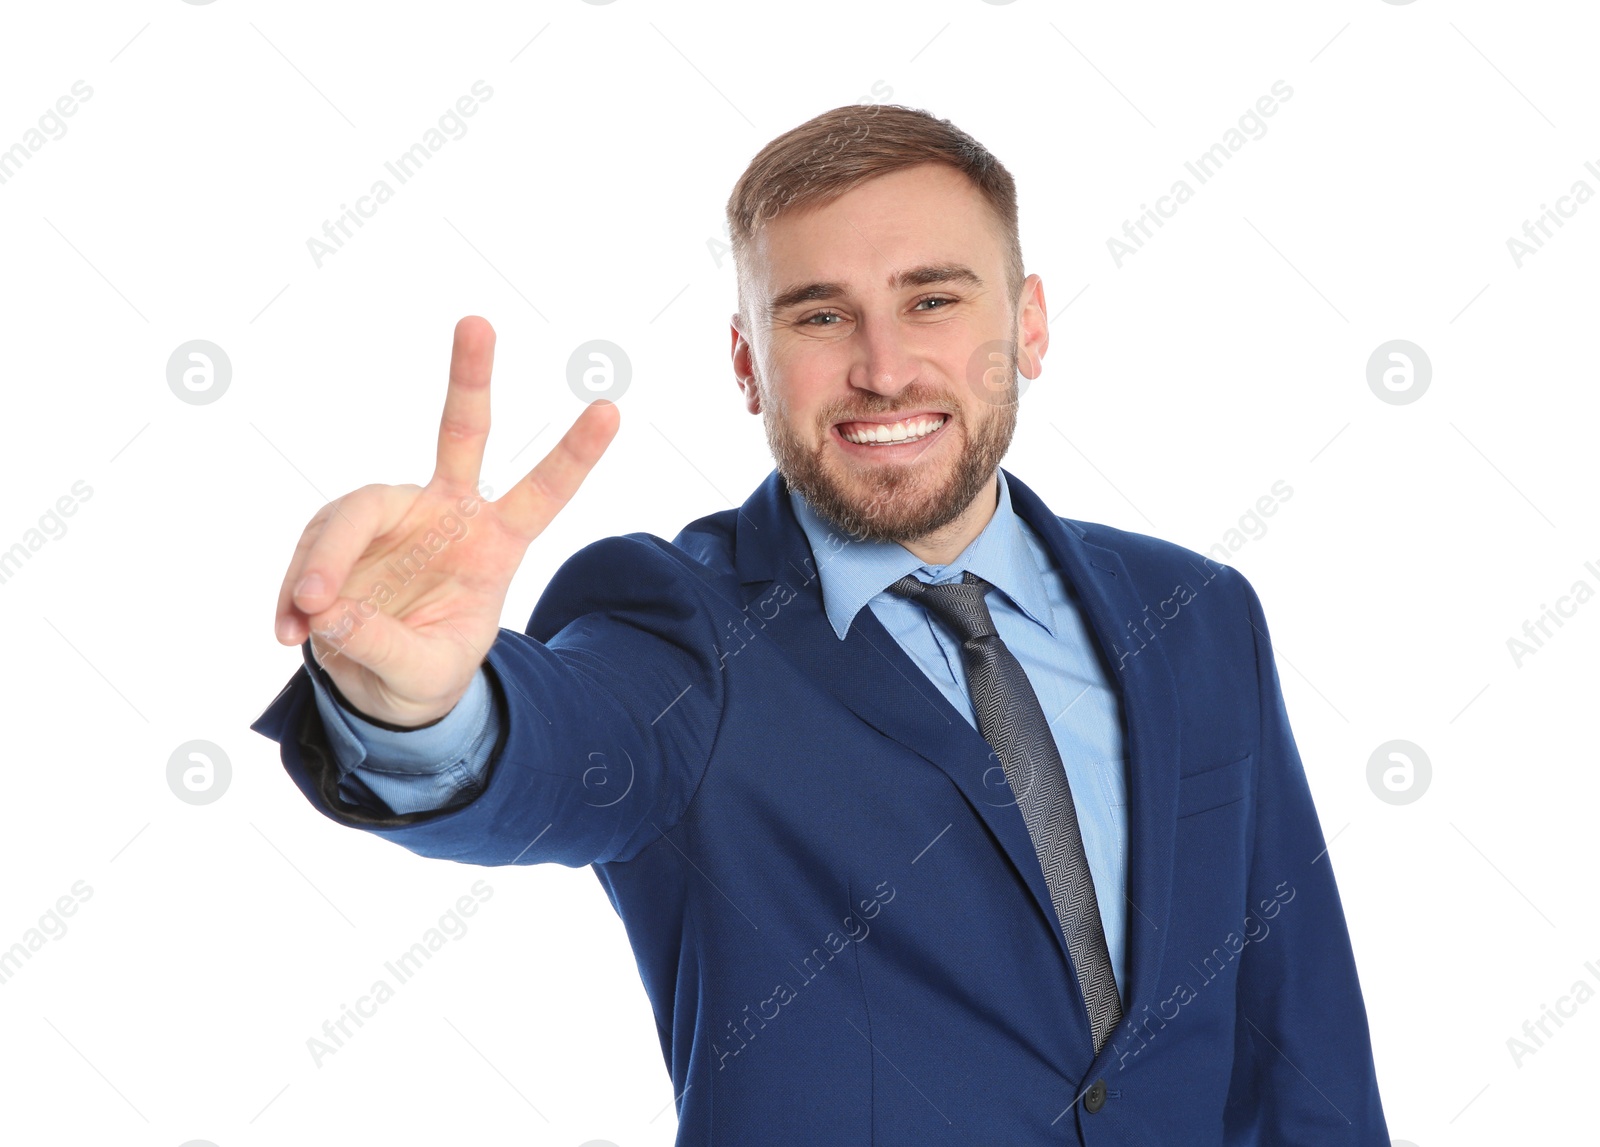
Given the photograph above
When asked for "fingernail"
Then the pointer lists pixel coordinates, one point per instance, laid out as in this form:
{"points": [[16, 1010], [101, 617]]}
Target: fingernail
{"points": [[310, 584]]}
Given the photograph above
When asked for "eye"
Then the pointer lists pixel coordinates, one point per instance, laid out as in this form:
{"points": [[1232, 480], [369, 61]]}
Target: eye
{"points": [[808, 320]]}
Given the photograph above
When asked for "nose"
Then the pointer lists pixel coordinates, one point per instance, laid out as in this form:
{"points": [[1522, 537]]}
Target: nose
{"points": [[884, 362]]}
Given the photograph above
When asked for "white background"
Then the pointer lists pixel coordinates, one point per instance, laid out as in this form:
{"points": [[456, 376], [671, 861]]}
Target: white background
{"points": [[584, 202]]}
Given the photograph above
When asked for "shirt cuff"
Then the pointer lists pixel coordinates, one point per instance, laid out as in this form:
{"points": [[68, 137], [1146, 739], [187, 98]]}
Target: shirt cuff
{"points": [[433, 748]]}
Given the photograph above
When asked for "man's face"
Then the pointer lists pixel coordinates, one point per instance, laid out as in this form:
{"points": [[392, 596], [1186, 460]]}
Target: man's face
{"points": [[871, 317]]}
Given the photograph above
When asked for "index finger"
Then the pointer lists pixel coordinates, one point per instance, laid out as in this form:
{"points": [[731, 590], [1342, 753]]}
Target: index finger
{"points": [[465, 426]]}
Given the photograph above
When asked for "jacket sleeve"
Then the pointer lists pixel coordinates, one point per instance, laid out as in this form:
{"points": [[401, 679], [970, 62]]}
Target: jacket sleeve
{"points": [[610, 702], [1303, 1072], [408, 770]]}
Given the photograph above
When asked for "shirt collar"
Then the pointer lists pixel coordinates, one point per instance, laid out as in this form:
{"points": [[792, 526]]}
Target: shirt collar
{"points": [[854, 572]]}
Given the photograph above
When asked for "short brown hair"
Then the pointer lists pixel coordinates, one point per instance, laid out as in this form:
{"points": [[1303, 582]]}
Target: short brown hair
{"points": [[826, 156]]}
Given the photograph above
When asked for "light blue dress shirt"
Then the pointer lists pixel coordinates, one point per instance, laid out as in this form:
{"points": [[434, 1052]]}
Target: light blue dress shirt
{"points": [[1034, 612]]}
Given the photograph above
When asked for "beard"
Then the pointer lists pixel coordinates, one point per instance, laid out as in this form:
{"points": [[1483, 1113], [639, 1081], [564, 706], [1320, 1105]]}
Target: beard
{"points": [[900, 502]]}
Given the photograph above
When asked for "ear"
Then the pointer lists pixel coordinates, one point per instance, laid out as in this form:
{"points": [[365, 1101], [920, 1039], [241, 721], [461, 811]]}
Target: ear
{"points": [[743, 364], [1033, 328]]}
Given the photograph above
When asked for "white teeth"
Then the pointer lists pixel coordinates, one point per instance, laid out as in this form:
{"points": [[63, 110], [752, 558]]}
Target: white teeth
{"points": [[897, 432]]}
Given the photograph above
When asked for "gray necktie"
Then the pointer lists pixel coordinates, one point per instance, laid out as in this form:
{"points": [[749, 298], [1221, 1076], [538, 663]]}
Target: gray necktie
{"points": [[1012, 722]]}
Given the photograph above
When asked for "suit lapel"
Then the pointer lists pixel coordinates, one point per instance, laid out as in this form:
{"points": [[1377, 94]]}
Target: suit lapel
{"points": [[1138, 667], [870, 674]]}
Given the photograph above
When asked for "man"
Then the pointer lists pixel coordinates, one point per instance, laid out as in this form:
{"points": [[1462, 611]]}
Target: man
{"points": [[932, 817]]}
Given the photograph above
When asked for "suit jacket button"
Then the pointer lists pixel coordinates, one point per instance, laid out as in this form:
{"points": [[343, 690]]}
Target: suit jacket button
{"points": [[1095, 1098]]}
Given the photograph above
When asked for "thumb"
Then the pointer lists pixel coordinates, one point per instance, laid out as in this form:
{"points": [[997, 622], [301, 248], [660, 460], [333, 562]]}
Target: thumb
{"points": [[360, 633]]}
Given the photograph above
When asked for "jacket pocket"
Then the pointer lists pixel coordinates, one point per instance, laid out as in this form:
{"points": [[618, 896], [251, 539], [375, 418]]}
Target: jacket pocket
{"points": [[1213, 787]]}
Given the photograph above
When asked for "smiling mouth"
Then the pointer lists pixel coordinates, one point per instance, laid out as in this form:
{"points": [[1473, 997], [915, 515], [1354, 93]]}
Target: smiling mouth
{"points": [[907, 430]]}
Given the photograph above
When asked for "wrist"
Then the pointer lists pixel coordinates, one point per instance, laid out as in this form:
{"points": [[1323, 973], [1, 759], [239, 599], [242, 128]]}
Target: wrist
{"points": [[346, 705]]}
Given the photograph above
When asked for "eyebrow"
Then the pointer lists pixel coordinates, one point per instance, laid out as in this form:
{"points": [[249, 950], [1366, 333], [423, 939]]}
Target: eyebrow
{"points": [[912, 277]]}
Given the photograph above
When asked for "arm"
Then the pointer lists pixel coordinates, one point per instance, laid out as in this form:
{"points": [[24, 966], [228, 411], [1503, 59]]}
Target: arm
{"points": [[1303, 1072], [611, 703], [388, 769]]}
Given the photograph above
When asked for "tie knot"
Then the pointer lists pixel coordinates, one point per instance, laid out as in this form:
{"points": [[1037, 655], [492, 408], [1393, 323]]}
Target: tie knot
{"points": [[959, 604]]}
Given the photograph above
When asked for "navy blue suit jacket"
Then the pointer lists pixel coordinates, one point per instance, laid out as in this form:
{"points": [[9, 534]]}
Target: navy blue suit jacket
{"points": [[833, 900]]}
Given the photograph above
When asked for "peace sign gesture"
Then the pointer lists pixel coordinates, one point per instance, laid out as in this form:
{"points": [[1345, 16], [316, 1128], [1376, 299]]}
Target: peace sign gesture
{"points": [[400, 587]]}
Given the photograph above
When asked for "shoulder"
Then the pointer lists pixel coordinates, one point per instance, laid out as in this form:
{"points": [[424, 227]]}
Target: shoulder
{"points": [[690, 575], [710, 541], [1152, 564], [1167, 580], [1155, 561]]}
